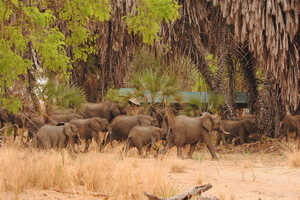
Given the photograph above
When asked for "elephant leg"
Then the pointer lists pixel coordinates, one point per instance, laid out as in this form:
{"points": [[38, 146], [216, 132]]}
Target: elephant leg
{"points": [[179, 152], [242, 137], [127, 147], [47, 145], [140, 151], [192, 149], [148, 149], [97, 140], [87, 144], [218, 139], [111, 140], [60, 144], [15, 132], [210, 146]]}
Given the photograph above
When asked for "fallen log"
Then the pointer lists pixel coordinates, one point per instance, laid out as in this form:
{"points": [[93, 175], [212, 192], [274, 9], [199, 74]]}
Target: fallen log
{"points": [[197, 190]]}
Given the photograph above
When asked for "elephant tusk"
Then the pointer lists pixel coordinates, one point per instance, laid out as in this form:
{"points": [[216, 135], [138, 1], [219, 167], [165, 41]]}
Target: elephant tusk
{"points": [[226, 133]]}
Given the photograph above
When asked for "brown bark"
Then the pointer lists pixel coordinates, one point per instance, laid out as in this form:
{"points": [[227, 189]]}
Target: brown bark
{"points": [[271, 31], [249, 70]]}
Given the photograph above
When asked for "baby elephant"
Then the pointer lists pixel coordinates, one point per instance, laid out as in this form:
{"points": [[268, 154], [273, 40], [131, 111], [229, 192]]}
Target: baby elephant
{"points": [[140, 136]]}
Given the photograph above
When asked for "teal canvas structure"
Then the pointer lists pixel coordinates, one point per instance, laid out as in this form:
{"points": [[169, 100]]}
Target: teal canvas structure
{"points": [[186, 97]]}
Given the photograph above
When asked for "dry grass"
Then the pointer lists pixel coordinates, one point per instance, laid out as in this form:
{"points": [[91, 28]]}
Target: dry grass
{"points": [[22, 169], [294, 159]]}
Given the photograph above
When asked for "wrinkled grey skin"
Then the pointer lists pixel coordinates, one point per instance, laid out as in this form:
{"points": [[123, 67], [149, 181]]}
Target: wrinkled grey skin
{"points": [[90, 128], [58, 137], [290, 123], [64, 117], [237, 128], [53, 110], [121, 126], [107, 110], [141, 136], [191, 130]]}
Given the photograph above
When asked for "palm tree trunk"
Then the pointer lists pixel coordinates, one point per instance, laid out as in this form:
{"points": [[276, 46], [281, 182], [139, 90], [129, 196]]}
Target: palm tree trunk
{"points": [[248, 66]]}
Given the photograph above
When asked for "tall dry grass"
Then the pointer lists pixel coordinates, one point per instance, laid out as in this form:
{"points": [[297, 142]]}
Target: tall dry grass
{"points": [[23, 169]]}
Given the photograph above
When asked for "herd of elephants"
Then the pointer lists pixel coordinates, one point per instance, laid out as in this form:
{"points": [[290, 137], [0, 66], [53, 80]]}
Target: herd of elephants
{"points": [[69, 128]]}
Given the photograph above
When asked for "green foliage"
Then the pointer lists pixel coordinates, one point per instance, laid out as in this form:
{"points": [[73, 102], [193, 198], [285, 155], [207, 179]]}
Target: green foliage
{"points": [[196, 106], [12, 104], [79, 14], [22, 24], [150, 14], [47, 28], [62, 95], [113, 95], [156, 84]]}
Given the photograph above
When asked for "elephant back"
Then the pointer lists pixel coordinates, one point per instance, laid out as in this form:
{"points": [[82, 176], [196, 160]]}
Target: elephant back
{"points": [[121, 126]]}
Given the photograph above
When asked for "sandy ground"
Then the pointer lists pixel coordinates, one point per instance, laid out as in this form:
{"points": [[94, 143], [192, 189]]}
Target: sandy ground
{"points": [[235, 176]]}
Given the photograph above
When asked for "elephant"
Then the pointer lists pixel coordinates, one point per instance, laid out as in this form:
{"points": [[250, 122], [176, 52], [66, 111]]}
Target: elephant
{"points": [[89, 128], [4, 116], [64, 117], [52, 110], [30, 120], [290, 123], [140, 136], [121, 126], [50, 136], [191, 130], [237, 128], [107, 110]]}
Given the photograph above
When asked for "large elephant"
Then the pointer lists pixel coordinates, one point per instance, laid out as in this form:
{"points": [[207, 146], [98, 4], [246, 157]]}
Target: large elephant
{"points": [[191, 130], [290, 123], [240, 129], [50, 136], [141, 136], [107, 110], [90, 128], [121, 126]]}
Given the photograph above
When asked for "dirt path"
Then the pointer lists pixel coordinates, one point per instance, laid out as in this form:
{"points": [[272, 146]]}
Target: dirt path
{"points": [[247, 183], [234, 177]]}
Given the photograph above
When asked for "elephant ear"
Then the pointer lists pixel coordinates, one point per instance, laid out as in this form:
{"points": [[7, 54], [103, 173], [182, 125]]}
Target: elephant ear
{"points": [[115, 110], [207, 123], [95, 124], [145, 120]]}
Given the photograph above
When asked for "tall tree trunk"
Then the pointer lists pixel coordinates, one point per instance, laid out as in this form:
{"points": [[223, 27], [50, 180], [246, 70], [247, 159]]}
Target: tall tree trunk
{"points": [[248, 66], [230, 96], [199, 60], [31, 79]]}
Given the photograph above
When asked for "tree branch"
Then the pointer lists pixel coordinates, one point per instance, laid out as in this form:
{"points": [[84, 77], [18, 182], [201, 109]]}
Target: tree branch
{"points": [[196, 190]]}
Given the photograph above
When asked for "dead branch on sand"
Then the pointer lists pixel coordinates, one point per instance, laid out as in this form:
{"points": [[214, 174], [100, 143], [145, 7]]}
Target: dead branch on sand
{"points": [[196, 190]]}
